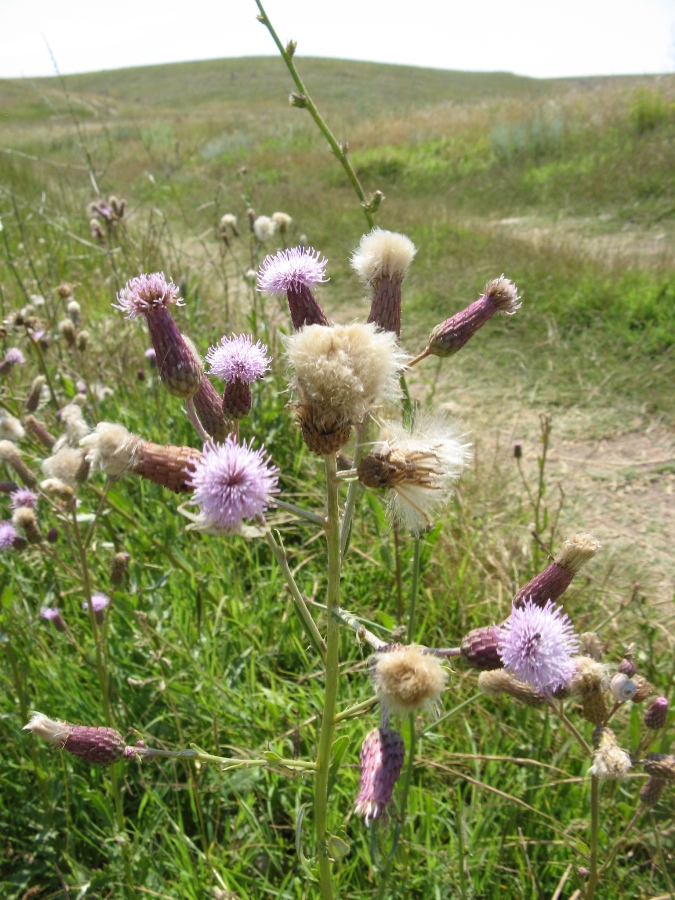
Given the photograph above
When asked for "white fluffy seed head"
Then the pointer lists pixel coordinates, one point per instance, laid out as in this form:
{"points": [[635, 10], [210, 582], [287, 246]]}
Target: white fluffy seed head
{"points": [[67, 464], [282, 221], [383, 254], [263, 228], [344, 370], [11, 429], [407, 679], [610, 762], [75, 426], [49, 730], [577, 551], [110, 448]]}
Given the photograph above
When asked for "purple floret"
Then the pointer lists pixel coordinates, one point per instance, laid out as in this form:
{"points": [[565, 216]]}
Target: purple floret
{"points": [[238, 359], [141, 294], [14, 357], [231, 483], [537, 646], [291, 270], [7, 535], [23, 497]]}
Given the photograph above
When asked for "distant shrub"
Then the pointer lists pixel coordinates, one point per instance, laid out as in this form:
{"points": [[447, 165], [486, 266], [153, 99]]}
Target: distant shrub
{"points": [[650, 110], [537, 136]]}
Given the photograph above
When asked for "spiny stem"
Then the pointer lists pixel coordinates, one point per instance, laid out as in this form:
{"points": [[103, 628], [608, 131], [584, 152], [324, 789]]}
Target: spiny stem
{"points": [[308, 104]]}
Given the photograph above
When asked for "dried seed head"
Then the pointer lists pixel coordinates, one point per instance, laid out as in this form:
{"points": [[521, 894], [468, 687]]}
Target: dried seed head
{"points": [[11, 429], [660, 765], [382, 260], [263, 228], [118, 568], [610, 762], [82, 340], [480, 648], [100, 746], [590, 644], [644, 689], [67, 332], [110, 448], [58, 488], [12, 456], [418, 468], [282, 221], [75, 426], [33, 398], [588, 685], [68, 464], [577, 551], [651, 790], [25, 520], [382, 755], [656, 714], [500, 295], [497, 682], [73, 310], [407, 679]]}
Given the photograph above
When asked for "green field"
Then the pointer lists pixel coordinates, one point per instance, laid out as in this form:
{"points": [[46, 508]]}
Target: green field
{"points": [[567, 187]]}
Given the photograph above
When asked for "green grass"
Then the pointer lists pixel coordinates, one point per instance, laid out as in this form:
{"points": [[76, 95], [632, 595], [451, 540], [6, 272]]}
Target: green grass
{"points": [[203, 643]]}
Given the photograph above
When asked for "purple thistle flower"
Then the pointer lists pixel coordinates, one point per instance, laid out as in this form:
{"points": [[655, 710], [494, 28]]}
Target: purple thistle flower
{"points": [[14, 357], [51, 614], [295, 272], [99, 604], [23, 497], [291, 270], [7, 535], [537, 646], [232, 482], [238, 359], [141, 294]]}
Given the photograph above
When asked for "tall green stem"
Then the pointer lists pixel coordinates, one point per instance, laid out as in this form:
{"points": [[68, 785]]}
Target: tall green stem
{"points": [[330, 697], [595, 822]]}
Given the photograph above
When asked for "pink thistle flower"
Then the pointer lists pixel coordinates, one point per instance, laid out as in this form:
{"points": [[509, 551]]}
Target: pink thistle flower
{"points": [[537, 646], [8, 535], [53, 615], [382, 755], [295, 272], [238, 359], [100, 603], [147, 292], [231, 483], [14, 357], [23, 497]]}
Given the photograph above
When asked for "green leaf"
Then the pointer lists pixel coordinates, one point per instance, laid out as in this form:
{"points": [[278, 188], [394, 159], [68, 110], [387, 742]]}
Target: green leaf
{"points": [[337, 848]]}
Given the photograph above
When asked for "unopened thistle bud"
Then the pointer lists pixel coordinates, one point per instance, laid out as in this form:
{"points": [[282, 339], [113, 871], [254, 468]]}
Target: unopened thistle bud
{"points": [[68, 332], [110, 448], [557, 577], [480, 648], [52, 535], [656, 714], [229, 223], [209, 406], [501, 295], [660, 765], [39, 430], [65, 290], [33, 398], [610, 762], [82, 340], [340, 373], [25, 519], [651, 790], [295, 273], [382, 755], [588, 685], [99, 746], [12, 456], [643, 691], [497, 682], [150, 295], [407, 679], [627, 667], [382, 260], [118, 567]]}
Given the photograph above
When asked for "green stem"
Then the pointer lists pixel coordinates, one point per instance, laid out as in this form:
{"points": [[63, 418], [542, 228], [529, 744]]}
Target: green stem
{"points": [[355, 488], [338, 150], [662, 858], [231, 762], [595, 822], [332, 671], [305, 615], [413, 589]]}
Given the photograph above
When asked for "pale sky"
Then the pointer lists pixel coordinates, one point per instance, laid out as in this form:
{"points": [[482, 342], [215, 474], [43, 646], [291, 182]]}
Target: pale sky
{"points": [[541, 38]]}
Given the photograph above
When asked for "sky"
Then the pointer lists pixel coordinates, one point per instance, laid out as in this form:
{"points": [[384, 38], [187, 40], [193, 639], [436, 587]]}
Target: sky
{"points": [[540, 38]]}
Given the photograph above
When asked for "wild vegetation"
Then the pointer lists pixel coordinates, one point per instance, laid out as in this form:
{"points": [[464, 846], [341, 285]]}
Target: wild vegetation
{"points": [[564, 186]]}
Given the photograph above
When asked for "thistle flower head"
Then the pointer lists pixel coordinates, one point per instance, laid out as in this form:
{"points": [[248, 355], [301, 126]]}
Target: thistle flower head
{"points": [[52, 614], [341, 372], [577, 551], [11, 429], [537, 646], [407, 679], [553, 581], [23, 497], [146, 292], [282, 221], [99, 603], [610, 762], [383, 254], [504, 294], [231, 483], [14, 357], [238, 359], [8, 535], [100, 746], [263, 228], [292, 270], [418, 468], [382, 755]]}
